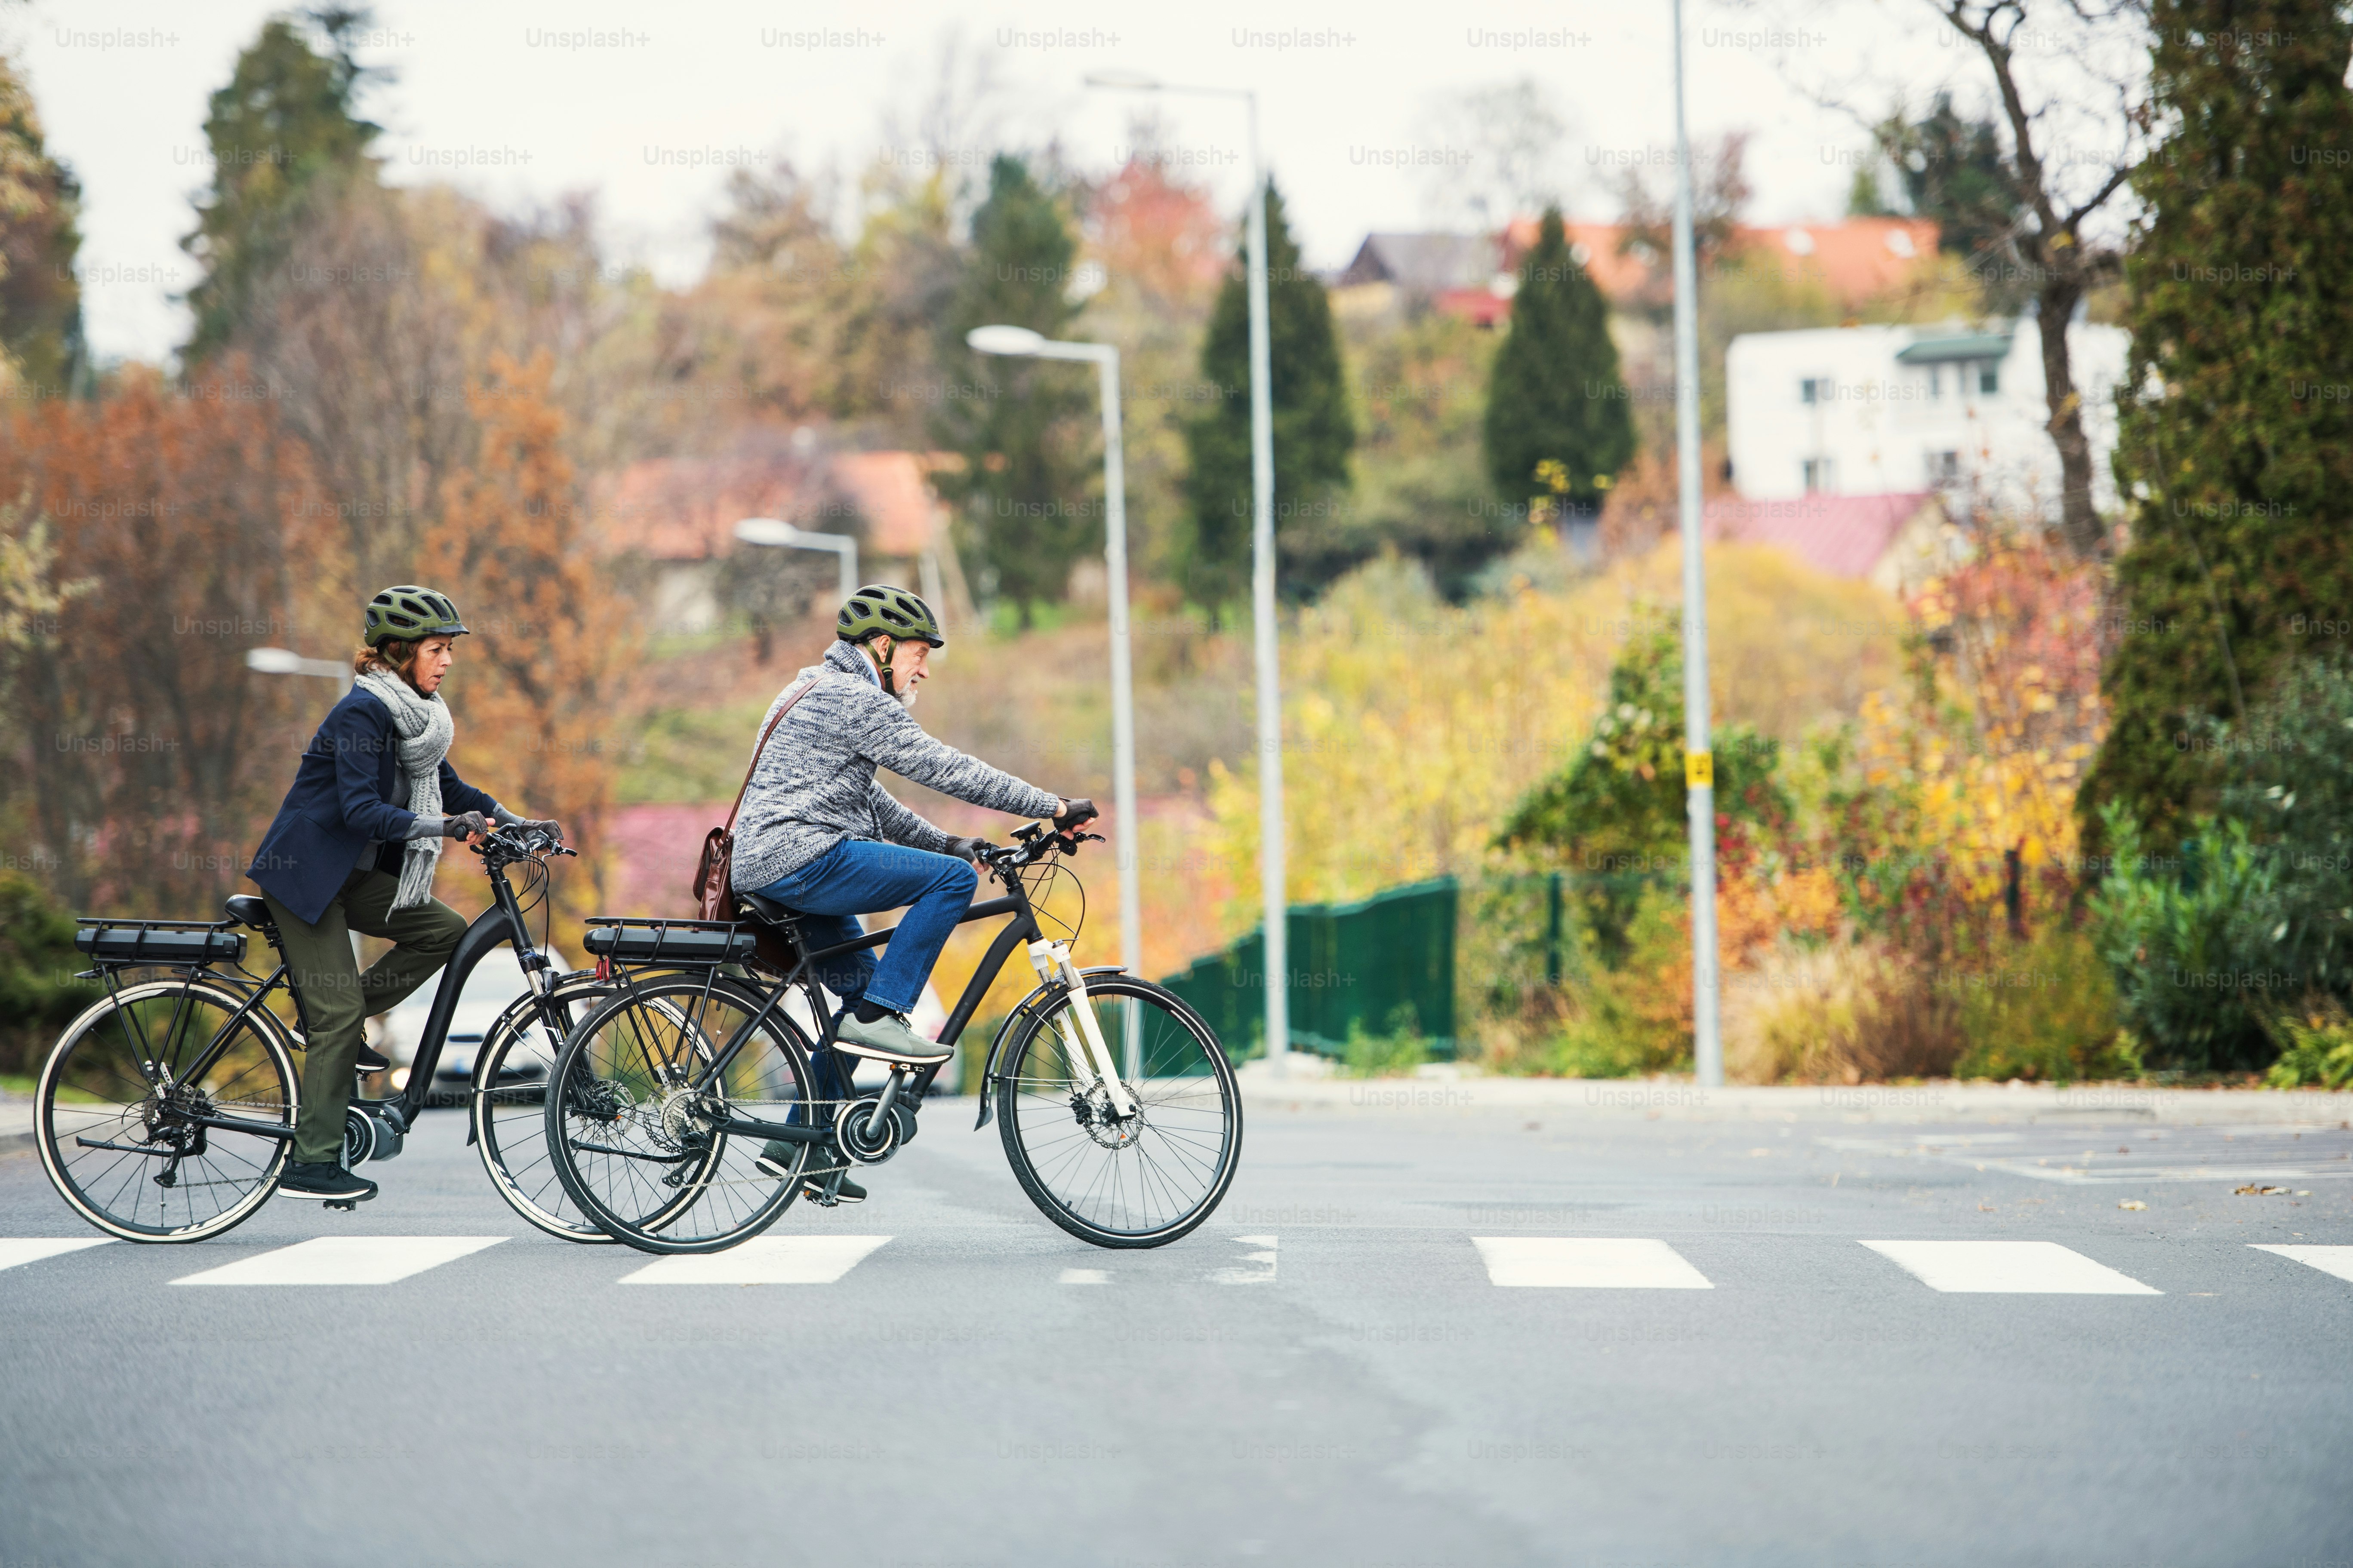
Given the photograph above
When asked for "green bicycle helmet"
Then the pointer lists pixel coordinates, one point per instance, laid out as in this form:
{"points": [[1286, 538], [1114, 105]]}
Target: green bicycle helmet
{"points": [[407, 612], [879, 610]]}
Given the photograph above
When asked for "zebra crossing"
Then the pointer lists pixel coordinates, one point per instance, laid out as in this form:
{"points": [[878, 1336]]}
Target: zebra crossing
{"points": [[1516, 1262]]}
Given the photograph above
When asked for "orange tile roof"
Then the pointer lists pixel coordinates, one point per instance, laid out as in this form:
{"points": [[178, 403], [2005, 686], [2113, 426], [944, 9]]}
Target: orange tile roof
{"points": [[892, 492], [1852, 260], [685, 508]]}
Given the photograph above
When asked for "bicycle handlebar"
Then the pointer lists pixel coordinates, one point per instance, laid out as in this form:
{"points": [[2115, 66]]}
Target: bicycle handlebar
{"points": [[506, 845]]}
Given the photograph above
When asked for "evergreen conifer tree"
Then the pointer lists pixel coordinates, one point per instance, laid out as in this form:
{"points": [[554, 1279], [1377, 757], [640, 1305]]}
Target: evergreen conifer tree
{"points": [[1556, 395], [40, 297], [1030, 489], [285, 119], [2236, 438], [1314, 430]]}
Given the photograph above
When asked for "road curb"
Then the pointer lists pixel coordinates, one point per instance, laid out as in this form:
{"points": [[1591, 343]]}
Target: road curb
{"points": [[1447, 1091]]}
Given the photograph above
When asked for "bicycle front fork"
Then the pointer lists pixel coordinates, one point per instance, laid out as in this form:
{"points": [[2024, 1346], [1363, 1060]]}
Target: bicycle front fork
{"points": [[1082, 1038]]}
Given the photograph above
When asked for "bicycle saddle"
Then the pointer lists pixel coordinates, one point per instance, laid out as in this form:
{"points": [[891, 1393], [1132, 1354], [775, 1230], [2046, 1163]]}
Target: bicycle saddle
{"points": [[248, 909], [768, 909]]}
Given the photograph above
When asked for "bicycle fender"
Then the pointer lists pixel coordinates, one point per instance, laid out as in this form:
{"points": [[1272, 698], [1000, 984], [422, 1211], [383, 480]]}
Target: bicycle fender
{"points": [[1026, 1008]]}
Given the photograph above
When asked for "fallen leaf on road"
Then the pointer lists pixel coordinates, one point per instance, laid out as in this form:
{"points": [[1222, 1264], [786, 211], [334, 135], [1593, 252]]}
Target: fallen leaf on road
{"points": [[2252, 1191], [2132, 1204]]}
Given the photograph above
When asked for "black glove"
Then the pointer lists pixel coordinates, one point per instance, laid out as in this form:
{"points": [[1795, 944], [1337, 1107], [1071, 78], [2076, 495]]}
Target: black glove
{"points": [[1075, 812], [465, 825], [545, 823], [966, 849]]}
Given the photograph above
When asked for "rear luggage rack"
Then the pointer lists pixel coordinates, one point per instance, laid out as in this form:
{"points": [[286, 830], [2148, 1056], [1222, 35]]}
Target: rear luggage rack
{"points": [[170, 944], [681, 944]]}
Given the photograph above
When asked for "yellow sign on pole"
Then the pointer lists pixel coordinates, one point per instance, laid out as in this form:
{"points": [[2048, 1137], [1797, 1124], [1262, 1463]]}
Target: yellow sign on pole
{"points": [[1699, 770]]}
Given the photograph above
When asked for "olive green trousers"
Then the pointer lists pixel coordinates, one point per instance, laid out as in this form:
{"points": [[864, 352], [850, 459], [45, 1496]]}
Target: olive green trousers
{"points": [[337, 999]]}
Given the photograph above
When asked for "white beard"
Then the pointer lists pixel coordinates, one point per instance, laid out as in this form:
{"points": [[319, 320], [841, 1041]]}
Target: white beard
{"points": [[907, 699]]}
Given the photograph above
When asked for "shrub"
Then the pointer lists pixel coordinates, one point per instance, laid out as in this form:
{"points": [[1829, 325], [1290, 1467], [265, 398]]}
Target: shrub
{"points": [[2316, 1048], [2047, 1013], [1393, 1054], [2170, 931], [38, 995]]}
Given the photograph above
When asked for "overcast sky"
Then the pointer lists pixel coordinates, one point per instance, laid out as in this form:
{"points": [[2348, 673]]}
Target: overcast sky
{"points": [[520, 100]]}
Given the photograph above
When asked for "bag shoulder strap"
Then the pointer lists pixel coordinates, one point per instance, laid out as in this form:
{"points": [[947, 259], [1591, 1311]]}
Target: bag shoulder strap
{"points": [[762, 747]]}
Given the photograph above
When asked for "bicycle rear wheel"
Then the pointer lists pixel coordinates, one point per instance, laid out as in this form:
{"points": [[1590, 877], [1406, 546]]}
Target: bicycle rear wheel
{"points": [[1138, 1180], [636, 1123], [128, 1148], [512, 1073]]}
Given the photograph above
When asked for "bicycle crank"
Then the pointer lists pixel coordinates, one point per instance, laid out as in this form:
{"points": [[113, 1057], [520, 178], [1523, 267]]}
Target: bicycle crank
{"points": [[854, 1129]]}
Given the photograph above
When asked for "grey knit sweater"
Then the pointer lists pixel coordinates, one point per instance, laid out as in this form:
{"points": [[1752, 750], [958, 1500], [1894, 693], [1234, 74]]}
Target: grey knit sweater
{"points": [[814, 786]]}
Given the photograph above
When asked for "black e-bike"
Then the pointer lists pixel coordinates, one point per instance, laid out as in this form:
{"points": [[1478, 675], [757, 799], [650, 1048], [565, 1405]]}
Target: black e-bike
{"points": [[167, 1112], [682, 1116]]}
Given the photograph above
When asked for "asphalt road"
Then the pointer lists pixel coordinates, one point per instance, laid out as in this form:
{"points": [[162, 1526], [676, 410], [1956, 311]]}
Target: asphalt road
{"points": [[1329, 1372]]}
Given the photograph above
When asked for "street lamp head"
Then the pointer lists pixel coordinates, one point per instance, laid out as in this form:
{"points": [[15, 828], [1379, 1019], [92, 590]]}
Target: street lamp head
{"points": [[1126, 81], [274, 660], [767, 531], [1005, 340]]}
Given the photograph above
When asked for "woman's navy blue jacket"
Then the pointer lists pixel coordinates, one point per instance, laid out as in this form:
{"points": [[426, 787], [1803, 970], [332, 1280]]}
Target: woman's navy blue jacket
{"points": [[341, 799]]}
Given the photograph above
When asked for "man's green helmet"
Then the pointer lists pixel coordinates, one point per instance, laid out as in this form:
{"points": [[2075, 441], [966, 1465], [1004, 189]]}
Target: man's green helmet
{"points": [[879, 610], [407, 612]]}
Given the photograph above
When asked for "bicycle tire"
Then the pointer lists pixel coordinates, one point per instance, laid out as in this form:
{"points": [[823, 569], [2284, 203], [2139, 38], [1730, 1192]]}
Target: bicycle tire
{"points": [[108, 1185], [619, 1106], [1181, 1159], [515, 1147]]}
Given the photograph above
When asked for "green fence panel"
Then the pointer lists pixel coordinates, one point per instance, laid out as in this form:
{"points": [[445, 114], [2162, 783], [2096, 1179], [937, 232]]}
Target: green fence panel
{"points": [[1371, 964]]}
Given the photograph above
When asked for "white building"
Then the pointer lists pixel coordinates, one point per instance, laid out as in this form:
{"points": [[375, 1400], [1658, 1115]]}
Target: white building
{"points": [[1859, 411]]}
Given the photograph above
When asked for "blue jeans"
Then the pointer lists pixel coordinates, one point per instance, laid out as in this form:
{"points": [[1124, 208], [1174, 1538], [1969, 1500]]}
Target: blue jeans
{"points": [[858, 877]]}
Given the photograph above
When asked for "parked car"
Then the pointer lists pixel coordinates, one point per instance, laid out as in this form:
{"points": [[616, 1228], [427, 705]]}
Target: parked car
{"points": [[496, 982]]}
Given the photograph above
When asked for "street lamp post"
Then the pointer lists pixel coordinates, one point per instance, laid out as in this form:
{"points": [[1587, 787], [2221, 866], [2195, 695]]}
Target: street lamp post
{"points": [[286, 661], [1275, 906], [776, 530], [1699, 762], [1021, 343]]}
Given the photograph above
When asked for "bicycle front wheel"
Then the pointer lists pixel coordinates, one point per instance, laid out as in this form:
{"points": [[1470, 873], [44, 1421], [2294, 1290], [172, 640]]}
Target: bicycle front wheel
{"points": [[1142, 1180], [130, 1102], [642, 1096], [512, 1073]]}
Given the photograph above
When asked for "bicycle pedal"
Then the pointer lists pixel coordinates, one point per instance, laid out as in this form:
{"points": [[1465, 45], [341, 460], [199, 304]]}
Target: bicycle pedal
{"points": [[346, 1207]]}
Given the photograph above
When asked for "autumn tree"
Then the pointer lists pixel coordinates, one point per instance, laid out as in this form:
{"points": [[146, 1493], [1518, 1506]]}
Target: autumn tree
{"points": [[539, 679], [150, 757]]}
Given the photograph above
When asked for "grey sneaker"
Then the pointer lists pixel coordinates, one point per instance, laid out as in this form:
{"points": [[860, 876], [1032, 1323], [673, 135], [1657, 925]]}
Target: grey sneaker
{"points": [[887, 1039]]}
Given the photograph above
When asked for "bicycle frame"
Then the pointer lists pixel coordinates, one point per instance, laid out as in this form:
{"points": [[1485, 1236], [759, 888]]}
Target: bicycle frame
{"points": [[501, 923], [1050, 959]]}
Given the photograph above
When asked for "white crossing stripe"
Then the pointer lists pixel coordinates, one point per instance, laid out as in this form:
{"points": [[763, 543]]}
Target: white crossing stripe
{"points": [[762, 1260], [1084, 1276], [345, 1260], [2009, 1267], [1591, 1263], [32, 1249], [1261, 1276], [2336, 1260]]}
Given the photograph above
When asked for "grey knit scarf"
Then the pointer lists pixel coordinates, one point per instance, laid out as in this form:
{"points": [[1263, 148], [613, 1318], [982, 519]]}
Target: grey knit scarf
{"points": [[425, 731]]}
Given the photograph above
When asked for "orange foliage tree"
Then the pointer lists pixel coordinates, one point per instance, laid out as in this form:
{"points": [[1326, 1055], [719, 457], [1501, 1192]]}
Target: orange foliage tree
{"points": [[149, 756], [539, 679]]}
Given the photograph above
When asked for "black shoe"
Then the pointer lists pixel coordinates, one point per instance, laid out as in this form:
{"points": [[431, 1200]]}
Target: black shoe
{"points": [[844, 1192], [370, 1060], [321, 1180]]}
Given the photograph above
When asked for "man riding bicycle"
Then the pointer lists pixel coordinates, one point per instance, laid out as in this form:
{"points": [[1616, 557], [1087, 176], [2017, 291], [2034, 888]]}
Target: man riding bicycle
{"points": [[817, 835], [353, 848]]}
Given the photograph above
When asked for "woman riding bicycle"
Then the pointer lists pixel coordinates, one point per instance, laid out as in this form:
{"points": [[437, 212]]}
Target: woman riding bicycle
{"points": [[353, 848], [817, 835]]}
